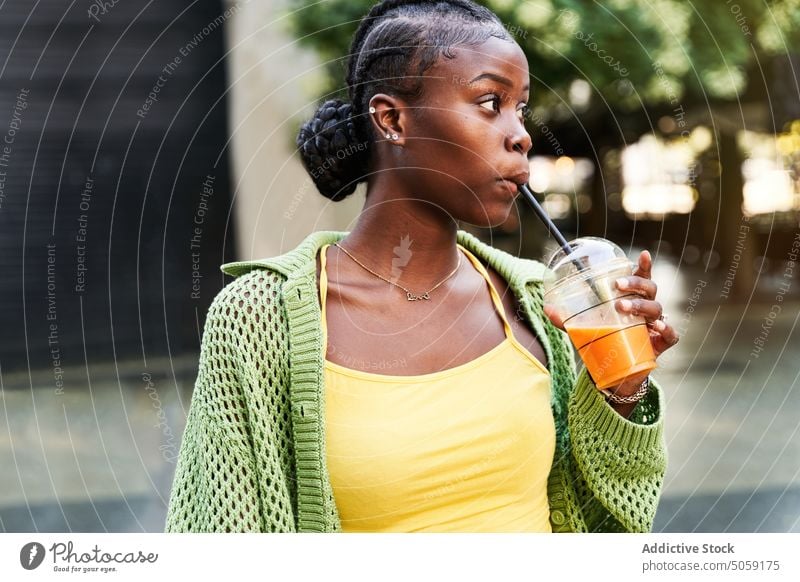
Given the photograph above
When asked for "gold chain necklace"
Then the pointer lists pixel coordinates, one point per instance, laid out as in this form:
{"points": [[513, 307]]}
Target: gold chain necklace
{"points": [[409, 295]]}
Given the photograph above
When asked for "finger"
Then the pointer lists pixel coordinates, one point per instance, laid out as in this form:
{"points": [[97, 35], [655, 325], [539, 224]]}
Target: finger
{"points": [[645, 266], [664, 338], [668, 333], [552, 314], [650, 310], [645, 287]]}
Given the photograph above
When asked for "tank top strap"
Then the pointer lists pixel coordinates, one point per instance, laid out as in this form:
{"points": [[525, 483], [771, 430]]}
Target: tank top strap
{"points": [[323, 292], [498, 303]]}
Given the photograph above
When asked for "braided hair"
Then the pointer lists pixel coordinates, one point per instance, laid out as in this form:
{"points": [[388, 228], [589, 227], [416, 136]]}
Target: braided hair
{"points": [[395, 43]]}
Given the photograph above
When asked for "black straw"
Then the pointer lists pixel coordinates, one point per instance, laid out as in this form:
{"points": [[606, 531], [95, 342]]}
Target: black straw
{"points": [[542, 214]]}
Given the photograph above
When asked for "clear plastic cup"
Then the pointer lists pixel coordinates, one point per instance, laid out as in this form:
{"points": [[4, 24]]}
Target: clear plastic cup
{"points": [[580, 287]]}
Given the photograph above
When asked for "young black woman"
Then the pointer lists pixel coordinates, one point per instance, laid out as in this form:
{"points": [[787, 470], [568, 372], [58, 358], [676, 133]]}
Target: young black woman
{"points": [[372, 380]]}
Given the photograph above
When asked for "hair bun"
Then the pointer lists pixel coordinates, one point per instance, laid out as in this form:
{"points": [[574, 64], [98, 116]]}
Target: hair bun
{"points": [[330, 150]]}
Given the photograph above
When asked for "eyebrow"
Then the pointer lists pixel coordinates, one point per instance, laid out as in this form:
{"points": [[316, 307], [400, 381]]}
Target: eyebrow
{"points": [[499, 79]]}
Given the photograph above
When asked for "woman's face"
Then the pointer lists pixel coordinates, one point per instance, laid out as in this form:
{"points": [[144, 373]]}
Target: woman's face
{"points": [[467, 133]]}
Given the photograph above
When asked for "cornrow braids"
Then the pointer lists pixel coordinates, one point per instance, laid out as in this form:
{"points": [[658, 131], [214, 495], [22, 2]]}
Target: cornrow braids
{"points": [[394, 45], [374, 16]]}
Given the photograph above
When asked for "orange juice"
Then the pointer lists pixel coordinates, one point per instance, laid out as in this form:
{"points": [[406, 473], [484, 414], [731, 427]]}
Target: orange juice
{"points": [[613, 352]]}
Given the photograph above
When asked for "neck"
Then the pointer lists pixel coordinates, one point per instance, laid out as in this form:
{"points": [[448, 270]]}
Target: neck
{"points": [[401, 236]]}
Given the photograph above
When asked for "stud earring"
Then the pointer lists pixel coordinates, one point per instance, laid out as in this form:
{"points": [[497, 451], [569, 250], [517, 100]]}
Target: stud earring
{"points": [[388, 136], [394, 136], [372, 110]]}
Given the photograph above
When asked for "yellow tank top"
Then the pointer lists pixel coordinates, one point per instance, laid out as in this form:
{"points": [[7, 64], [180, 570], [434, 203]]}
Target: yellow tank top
{"points": [[466, 449]]}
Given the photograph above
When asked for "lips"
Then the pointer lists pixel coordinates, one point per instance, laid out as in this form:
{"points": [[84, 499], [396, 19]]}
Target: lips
{"points": [[519, 178], [513, 181]]}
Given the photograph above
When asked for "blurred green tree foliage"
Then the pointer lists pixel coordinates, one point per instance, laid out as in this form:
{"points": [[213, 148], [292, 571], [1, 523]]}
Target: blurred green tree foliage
{"points": [[632, 53]]}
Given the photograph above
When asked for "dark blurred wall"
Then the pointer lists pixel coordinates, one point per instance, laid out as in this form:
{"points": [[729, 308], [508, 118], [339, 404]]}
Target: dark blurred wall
{"points": [[114, 179]]}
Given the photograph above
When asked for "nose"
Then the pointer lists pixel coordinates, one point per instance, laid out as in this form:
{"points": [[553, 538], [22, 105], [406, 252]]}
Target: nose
{"points": [[518, 139]]}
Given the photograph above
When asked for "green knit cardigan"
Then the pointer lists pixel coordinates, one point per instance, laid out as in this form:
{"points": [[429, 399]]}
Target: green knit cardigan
{"points": [[252, 457]]}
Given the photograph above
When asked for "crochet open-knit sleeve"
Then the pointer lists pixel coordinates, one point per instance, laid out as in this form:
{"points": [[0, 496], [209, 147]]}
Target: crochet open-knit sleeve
{"points": [[608, 470], [620, 462], [232, 470]]}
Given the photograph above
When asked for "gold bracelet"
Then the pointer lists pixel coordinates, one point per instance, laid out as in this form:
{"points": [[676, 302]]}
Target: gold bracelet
{"points": [[635, 397]]}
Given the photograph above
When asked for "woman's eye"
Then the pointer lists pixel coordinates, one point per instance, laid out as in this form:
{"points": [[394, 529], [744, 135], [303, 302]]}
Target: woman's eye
{"points": [[494, 99], [524, 111]]}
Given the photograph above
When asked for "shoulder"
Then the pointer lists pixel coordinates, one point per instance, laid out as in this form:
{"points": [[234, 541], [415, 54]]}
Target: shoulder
{"points": [[297, 260], [250, 286], [261, 280], [246, 331], [251, 297], [516, 271]]}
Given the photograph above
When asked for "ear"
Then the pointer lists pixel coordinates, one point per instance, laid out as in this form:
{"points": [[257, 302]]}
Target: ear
{"points": [[391, 116]]}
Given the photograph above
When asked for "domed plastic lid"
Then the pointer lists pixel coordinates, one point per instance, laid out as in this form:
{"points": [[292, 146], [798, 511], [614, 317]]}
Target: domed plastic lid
{"points": [[590, 256]]}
